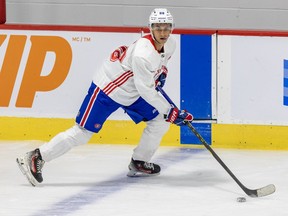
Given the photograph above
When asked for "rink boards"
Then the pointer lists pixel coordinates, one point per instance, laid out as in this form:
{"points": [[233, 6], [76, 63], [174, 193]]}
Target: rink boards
{"points": [[240, 81]]}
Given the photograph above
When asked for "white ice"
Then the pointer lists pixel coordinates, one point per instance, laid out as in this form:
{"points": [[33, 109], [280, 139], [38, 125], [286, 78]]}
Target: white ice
{"points": [[91, 180]]}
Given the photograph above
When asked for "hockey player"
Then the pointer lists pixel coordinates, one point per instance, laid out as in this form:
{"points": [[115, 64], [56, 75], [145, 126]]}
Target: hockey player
{"points": [[127, 80]]}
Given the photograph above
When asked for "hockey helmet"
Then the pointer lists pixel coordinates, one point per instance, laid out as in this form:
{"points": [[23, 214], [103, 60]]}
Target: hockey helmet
{"points": [[160, 15]]}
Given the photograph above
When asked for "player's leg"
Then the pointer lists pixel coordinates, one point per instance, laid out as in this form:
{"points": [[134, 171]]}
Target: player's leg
{"points": [[149, 143], [150, 139], [94, 111], [32, 162], [64, 141]]}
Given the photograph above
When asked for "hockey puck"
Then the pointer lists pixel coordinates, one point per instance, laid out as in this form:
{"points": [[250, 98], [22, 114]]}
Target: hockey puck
{"points": [[241, 199]]}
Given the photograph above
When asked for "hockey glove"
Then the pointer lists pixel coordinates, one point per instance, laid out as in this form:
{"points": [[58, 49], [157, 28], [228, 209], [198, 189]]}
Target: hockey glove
{"points": [[162, 78], [179, 117]]}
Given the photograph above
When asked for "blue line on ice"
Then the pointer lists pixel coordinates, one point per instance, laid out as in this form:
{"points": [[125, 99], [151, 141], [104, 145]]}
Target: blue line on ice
{"points": [[105, 188]]}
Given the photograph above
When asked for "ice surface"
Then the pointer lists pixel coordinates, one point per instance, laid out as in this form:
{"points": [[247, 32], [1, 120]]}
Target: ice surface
{"points": [[91, 180]]}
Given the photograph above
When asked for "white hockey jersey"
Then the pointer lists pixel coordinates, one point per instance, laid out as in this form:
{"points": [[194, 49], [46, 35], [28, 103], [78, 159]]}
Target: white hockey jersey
{"points": [[130, 72]]}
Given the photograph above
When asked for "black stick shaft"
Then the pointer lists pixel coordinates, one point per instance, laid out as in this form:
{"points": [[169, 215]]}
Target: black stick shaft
{"points": [[207, 146], [249, 192]]}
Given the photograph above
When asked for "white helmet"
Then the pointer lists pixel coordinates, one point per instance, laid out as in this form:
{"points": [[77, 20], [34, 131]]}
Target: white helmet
{"points": [[160, 15]]}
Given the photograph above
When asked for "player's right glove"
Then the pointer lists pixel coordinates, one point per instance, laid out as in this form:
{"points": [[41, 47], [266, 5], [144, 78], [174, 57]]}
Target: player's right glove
{"points": [[179, 117], [162, 78]]}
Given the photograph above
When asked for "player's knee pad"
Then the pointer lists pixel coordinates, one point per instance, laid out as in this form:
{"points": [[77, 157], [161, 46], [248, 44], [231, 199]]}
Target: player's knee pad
{"points": [[78, 135]]}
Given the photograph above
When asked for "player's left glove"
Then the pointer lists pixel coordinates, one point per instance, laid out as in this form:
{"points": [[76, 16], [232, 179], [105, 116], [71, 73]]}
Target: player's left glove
{"points": [[162, 78]]}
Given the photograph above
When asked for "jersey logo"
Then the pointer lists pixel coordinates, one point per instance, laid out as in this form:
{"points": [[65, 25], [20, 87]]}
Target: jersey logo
{"points": [[118, 54]]}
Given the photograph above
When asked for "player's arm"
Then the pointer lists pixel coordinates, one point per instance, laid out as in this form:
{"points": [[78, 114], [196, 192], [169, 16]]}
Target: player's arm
{"points": [[170, 49], [145, 84]]}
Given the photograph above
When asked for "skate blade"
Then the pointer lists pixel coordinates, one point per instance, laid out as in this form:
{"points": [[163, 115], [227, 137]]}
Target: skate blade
{"points": [[133, 173], [26, 172]]}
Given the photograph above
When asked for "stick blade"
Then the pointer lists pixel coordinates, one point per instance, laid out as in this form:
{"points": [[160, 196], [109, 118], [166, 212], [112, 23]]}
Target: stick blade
{"points": [[265, 191], [261, 192]]}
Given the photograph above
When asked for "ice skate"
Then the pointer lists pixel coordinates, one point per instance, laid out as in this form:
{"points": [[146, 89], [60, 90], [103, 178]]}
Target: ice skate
{"points": [[31, 166], [141, 168]]}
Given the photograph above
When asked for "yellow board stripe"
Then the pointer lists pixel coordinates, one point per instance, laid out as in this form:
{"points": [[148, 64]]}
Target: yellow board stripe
{"points": [[126, 132], [114, 132], [264, 137]]}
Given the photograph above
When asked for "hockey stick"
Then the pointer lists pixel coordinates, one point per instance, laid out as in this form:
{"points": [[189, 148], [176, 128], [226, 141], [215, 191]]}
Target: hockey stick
{"points": [[264, 191], [204, 120]]}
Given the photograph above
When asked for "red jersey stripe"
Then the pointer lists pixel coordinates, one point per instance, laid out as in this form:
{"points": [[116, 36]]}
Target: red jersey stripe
{"points": [[117, 82], [89, 107]]}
